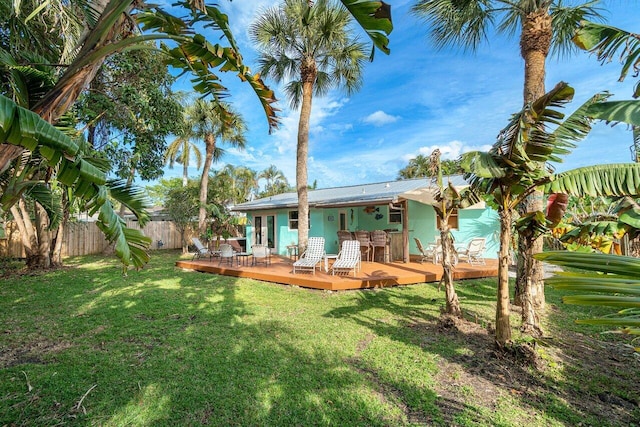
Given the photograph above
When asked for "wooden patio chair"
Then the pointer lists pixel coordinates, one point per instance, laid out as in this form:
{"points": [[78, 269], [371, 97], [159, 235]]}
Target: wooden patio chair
{"points": [[311, 257], [227, 254], [260, 254], [348, 259], [364, 237], [344, 235], [201, 250], [379, 239], [473, 252]]}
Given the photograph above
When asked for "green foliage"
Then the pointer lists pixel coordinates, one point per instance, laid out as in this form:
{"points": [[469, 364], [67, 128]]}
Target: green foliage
{"points": [[419, 167], [610, 43], [301, 43], [131, 110], [181, 204], [610, 280]]}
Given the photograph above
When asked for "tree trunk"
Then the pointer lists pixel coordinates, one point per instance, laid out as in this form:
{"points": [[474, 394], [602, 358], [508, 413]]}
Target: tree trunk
{"points": [[210, 145], [308, 79], [453, 304], [503, 325], [530, 320], [535, 41], [76, 78], [56, 252], [35, 240], [185, 174]]}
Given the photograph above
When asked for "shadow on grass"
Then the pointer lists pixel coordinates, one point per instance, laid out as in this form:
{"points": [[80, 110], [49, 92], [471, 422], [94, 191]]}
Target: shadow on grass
{"points": [[166, 347], [464, 349]]}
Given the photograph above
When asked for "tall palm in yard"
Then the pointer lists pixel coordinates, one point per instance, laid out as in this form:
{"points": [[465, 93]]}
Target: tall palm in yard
{"points": [[180, 151], [212, 122], [271, 175], [310, 47], [543, 25]]}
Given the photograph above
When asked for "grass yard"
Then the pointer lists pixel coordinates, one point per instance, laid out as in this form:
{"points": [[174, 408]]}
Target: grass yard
{"points": [[164, 347]]}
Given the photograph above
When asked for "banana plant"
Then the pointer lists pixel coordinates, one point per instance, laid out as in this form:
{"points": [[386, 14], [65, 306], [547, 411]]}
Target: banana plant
{"points": [[19, 126], [606, 280], [508, 174]]}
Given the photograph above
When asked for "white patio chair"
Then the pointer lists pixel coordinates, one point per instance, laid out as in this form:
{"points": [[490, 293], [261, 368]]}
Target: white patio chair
{"points": [[428, 253], [227, 254], [348, 259], [261, 254], [201, 250], [473, 252], [311, 257]]}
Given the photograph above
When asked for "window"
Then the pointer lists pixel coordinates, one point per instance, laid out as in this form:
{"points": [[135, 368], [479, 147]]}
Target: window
{"points": [[453, 220], [395, 215], [293, 220]]}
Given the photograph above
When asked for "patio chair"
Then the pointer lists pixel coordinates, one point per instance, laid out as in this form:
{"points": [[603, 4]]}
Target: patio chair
{"points": [[344, 235], [365, 242], [311, 257], [227, 254], [379, 239], [261, 254], [348, 259], [473, 252], [201, 250], [430, 252]]}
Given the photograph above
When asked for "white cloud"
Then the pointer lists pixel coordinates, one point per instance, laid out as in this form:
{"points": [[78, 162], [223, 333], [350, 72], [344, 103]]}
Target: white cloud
{"points": [[380, 118]]}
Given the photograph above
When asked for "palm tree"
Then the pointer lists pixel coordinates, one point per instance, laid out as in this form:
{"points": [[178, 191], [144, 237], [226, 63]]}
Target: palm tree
{"points": [[274, 177], [543, 25], [244, 182], [181, 150], [210, 122], [312, 49]]}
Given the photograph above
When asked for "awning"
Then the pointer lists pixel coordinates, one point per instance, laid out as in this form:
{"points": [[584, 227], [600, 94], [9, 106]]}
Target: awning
{"points": [[426, 195]]}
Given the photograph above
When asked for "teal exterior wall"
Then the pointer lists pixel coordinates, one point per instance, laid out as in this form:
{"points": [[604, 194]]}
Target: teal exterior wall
{"points": [[422, 224], [479, 223]]}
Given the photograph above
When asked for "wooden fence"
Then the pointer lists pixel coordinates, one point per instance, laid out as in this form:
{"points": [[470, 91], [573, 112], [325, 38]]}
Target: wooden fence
{"points": [[85, 238]]}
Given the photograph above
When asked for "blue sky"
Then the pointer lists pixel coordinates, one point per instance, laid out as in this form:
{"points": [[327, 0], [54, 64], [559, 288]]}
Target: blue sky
{"points": [[415, 100]]}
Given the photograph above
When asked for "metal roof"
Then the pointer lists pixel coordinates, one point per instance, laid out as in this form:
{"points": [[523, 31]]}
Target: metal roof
{"points": [[353, 195]]}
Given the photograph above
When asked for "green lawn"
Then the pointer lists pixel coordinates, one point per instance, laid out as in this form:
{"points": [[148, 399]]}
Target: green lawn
{"points": [[86, 346]]}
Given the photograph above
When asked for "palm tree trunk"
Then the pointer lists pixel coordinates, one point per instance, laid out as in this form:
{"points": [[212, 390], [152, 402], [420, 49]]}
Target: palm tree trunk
{"points": [[535, 41], [302, 153], [503, 325], [210, 144], [185, 174]]}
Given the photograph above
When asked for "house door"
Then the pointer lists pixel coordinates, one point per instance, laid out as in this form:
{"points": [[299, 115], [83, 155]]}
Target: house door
{"points": [[264, 227], [342, 223]]}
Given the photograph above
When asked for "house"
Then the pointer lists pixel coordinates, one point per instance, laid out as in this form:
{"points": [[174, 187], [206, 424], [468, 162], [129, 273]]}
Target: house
{"points": [[399, 207]]}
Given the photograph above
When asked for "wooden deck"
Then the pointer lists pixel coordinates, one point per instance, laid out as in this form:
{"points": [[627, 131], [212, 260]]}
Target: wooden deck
{"points": [[372, 274]]}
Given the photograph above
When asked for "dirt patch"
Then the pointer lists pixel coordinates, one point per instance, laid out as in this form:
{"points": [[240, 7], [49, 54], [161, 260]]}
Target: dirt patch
{"points": [[586, 376], [32, 352]]}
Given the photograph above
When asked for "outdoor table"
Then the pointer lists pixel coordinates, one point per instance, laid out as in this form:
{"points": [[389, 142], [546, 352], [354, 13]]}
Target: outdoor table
{"points": [[326, 258], [242, 258], [293, 251]]}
